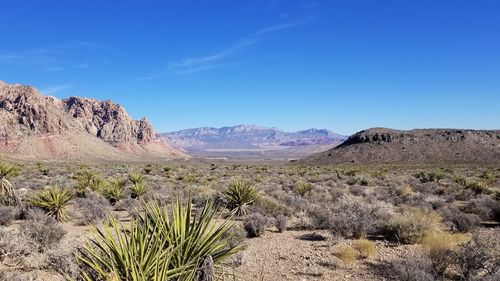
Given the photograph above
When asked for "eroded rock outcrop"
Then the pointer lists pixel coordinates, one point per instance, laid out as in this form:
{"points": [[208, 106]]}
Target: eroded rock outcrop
{"points": [[46, 127], [419, 146]]}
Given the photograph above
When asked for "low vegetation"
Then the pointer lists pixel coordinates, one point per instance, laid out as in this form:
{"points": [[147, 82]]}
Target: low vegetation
{"points": [[196, 221]]}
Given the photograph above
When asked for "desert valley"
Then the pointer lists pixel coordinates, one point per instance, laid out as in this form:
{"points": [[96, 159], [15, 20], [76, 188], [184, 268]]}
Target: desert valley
{"points": [[83, 185], [250, 140]]}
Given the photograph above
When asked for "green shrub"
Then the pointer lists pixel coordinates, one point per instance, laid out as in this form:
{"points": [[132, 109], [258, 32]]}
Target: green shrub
{"points": [[54, 201], [239, 196]]}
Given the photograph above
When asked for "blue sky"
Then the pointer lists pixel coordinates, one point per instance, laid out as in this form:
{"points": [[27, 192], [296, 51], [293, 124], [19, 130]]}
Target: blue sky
{"points": [[344, 65]]}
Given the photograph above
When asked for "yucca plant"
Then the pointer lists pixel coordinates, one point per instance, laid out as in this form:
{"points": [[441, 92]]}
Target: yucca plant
{"points": [[136, 178], [88, 180], [137, 190], [113, 191], [239, 196], [162, 244], [54, 200], [302, 188], [7, 194], [136, 253]]}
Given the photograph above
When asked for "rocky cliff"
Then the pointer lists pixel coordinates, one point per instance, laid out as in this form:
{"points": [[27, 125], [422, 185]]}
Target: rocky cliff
{"points": [[36, 126]]}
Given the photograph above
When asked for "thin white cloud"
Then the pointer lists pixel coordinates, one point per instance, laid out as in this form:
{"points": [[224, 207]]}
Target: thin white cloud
{"points": [[56, 89], [60, 56], [218, 60]]}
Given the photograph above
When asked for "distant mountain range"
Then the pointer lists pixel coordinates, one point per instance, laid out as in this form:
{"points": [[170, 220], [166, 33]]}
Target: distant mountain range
{"points": [[208, 141]]}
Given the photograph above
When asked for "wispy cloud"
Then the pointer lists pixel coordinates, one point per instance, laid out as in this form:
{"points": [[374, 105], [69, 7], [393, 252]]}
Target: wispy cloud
{"points": [[60, 56], [56, 89], [219, 59]]}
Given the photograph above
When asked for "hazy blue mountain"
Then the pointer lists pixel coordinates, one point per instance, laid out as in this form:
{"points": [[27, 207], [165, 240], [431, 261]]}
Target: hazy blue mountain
{"points": [[249, 137]]}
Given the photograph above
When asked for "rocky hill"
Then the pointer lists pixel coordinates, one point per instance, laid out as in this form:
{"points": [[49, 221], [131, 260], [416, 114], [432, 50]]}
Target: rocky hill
{"points": [[33, 126], [419, 146], [250, 141]]}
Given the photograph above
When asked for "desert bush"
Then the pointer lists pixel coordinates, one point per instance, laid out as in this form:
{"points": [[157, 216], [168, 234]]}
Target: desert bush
{"points": [[44, 170], [7, 194], [302, 188], [365, 248], [460, 180], [148, 169], [412, 269], [54, 200], [346, 254], [268, 206], [45, 231], [349, 217], [161, 245], [460, 221], [63, 261], [92, 209], [439, 249], [255, 225], [411, 226], [479, 259], [488, 177], [478, 187], [240, 195], [434, 176], [484, 206], [281, 222], [6, 216]]}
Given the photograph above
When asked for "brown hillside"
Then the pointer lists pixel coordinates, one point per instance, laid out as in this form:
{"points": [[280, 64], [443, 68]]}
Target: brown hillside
{"points": [[419, 146], [33, 127]]}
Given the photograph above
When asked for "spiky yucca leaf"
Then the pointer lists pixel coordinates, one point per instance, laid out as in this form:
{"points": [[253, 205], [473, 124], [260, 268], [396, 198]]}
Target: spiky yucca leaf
{"points": [[138, 189], [113, 191], [197, 238], [136, 178], [138, 253], [162, 244], [240, 195], [7, 194], [54, 201]]}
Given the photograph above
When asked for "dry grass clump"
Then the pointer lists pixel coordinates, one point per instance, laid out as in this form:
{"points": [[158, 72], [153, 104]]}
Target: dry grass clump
{"points": [[411, 226], [346, 254], [439, 247], [365, 248]]}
